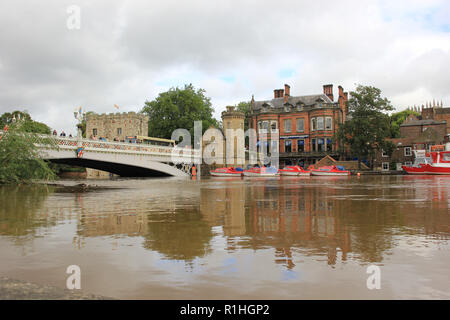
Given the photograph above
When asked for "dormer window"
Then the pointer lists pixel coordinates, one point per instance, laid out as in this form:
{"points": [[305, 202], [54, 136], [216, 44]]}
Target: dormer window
{"points": [[265, 107]]}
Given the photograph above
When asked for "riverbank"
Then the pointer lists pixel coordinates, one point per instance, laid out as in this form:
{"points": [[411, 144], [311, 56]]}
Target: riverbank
{"points": [[13, 289]]}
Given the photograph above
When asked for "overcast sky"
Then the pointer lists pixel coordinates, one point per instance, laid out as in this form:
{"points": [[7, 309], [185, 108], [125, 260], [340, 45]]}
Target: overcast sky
{"points": [[126, 52]]}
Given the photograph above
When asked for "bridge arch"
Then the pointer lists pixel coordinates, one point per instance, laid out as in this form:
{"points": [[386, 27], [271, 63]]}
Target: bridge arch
{"points": [[125, 165]]}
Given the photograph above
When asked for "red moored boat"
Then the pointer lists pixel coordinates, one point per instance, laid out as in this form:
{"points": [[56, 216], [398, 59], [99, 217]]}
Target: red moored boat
{"points": [[227, 172], [434, 162], [294, 171], [261, 172], [330, 171]]}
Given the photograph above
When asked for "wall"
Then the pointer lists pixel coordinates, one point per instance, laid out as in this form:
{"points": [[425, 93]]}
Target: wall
{"points": [[107, 125]]}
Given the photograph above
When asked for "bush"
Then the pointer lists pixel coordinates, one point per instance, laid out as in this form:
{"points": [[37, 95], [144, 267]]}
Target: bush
{"points": [[20, 160]]}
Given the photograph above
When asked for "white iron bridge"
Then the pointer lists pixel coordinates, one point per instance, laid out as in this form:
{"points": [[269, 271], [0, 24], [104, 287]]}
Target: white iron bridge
{"points": [[124, 159]]}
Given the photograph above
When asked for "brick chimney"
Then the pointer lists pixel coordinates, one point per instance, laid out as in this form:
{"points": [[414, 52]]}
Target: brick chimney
{"points": [[341, 99], [287, 92], [341, 91], [328, 90], [278, 93]]}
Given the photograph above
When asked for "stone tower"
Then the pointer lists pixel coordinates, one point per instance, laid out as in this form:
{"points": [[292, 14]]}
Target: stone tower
{"points": [[116, 125], [233, 119]]}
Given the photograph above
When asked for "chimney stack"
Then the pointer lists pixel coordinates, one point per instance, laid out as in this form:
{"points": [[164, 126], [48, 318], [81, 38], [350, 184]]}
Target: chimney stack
{"points": [[278, 93], [341, 91], [287, 92], [328, 90]]}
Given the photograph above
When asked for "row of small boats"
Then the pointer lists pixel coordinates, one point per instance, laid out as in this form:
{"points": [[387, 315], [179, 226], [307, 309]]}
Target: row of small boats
{"points": [[286, 171]]}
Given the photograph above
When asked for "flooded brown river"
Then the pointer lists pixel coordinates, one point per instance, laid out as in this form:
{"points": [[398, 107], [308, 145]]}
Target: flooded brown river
{"points": [[233, 238]]}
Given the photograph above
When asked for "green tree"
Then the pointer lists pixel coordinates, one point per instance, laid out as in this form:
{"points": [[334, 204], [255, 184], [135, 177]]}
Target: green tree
{"points": [[20, 160], [397, 119], [27, 124], [368, 125], [178, 108], [245, 107]]}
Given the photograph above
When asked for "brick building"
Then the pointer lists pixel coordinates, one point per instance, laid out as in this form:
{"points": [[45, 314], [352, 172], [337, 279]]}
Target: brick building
{"points": [[438, 113], [116, 125], [306, 124], [416, 133]]}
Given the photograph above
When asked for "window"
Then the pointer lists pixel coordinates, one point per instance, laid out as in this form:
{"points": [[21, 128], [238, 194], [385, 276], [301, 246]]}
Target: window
{"points": [[119, 131], [259, 125], [94, 132], [273, 126], [313, 124], [300, 125], [408, 151], [384, 154], [320, 123], [320, 145], [274, 146], [408, 163], [313, 144], [301, 145], [287, 145], [329, 144], [228, 125], [328, 123], [385, 166], [287, 125], [265, 125]]}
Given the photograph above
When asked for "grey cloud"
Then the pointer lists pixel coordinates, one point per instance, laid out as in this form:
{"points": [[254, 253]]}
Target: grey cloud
{"points": [[124, 48]]}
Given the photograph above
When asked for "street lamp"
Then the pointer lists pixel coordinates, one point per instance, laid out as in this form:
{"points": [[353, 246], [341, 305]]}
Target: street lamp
{"points": [[79, 115]]}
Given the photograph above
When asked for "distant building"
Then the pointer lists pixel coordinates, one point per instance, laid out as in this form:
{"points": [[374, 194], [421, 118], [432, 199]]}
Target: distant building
{"points": [[438, 113], [233, 119], [416, 133], [306, 124], [116, 125]]}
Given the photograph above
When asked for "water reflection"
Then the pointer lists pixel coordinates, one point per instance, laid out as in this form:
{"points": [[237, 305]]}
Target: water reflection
{"points": [[331, 221], [22, 210], [328, 220]]}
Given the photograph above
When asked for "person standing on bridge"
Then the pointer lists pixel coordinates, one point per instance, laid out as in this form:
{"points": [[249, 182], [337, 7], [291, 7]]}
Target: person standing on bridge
{"points": [[55, 133]]}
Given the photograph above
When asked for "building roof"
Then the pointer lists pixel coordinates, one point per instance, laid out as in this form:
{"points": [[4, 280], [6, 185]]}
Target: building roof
{"points": [[421, 122], [348, 165], [278, 103]]}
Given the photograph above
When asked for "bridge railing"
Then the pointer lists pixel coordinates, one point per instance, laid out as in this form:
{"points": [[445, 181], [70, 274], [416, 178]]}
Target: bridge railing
{"points": [[173, 154]]}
